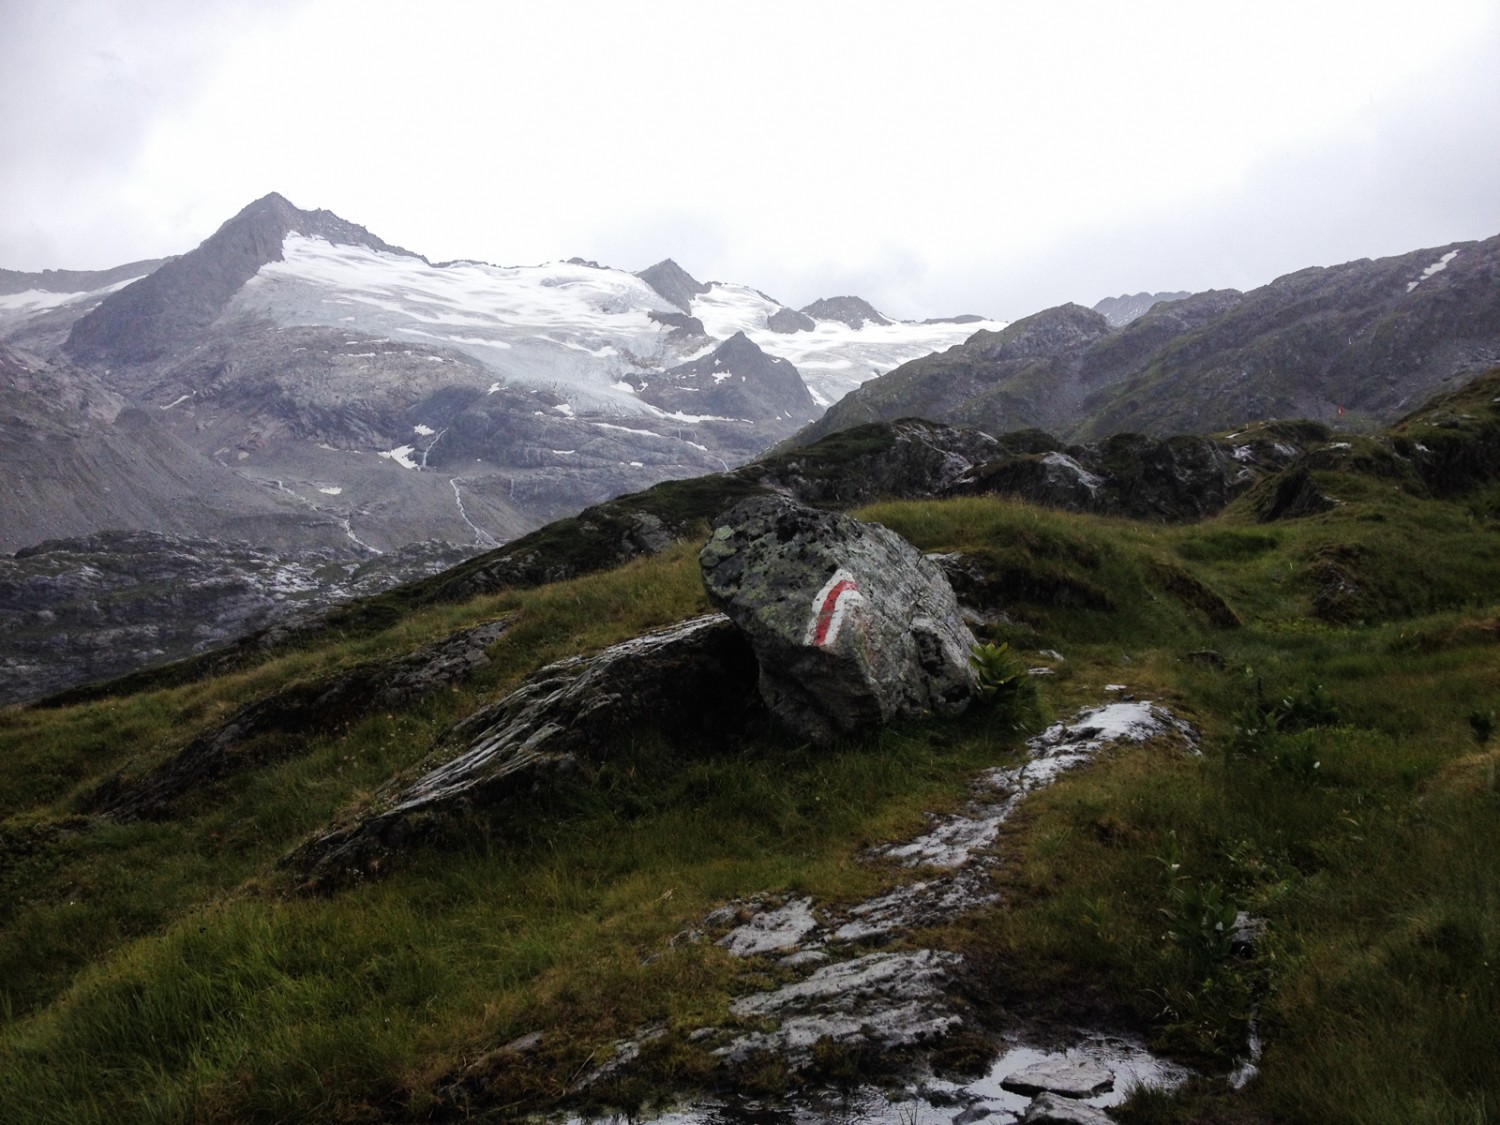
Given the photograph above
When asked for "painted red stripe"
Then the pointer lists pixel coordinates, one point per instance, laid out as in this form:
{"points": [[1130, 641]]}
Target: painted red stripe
{"points": [[825, 614]]}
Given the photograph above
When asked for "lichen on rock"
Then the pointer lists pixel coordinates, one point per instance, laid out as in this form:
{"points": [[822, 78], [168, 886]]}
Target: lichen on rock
{"points": [[851, 625]]}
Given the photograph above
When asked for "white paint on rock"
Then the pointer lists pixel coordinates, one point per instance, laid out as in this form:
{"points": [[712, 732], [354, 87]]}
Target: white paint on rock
{"points": [[830, 606]]}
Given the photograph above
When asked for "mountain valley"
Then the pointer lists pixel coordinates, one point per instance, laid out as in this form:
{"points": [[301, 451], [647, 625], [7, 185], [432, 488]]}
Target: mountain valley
{"points": [[296, 384], [524, 839]]}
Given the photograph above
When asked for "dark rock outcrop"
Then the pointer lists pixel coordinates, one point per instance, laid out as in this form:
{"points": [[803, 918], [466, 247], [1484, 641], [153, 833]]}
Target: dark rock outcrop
{"points": [[169, 307], [1453, 441], [1293, 495], [909, 459], [856, 312], [787, 321], [1172, 480], [851, 625], [735, 380], [692, 682], [683, 326], [296, 713], [673, 283]]}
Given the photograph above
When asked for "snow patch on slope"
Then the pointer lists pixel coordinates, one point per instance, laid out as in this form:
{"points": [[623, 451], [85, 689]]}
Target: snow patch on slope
{"points": [[833, 358], [1437, 267], [583, 331]]}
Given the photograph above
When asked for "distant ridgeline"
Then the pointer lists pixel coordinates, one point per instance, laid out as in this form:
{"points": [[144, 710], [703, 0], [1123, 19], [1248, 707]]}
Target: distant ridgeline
{"points": [[1354, 345]]}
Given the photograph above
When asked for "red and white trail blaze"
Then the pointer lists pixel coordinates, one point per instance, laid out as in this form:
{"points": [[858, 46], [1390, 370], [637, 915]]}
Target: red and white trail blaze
{"points": [[830, 606]]}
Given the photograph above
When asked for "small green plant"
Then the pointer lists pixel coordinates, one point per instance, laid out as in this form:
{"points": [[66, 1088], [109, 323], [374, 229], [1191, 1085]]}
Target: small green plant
{"points": [[1313, 708], [1000, 673], [1205, 993], [1256, 723], [1200, 916]]}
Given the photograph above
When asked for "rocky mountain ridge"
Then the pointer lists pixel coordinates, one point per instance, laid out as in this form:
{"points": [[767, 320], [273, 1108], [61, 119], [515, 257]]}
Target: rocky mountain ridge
{"points": [[1121, 310], [165, 310], [1180, 479], [1353, 346], [409, 400]]}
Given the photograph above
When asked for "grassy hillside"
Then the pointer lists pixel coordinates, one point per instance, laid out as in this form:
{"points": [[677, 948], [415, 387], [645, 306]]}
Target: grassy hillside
{"points": [[1342, 667]]}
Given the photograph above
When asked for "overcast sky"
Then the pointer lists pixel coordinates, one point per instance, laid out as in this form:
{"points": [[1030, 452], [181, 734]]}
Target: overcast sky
{"points": [[933, 157]]}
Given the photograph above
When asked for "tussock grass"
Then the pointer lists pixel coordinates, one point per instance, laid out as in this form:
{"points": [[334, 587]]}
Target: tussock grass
{"points": [[546, 924]]}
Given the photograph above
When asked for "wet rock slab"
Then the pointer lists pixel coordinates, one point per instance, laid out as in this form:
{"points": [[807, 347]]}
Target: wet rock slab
{"points": [[1072, 1078], [770, 931], [1051, 1109], [884, 1000], [902, 1002], [689, 681], [926, 1098]]}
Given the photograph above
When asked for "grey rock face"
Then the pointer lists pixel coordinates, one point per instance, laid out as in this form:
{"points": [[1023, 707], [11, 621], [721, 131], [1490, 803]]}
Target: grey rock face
{"points": [[1052, 1109], [853, 311], [673, 283], [688, 681], [1121, 310], [735, 380], [790, 320], [851, 625]]}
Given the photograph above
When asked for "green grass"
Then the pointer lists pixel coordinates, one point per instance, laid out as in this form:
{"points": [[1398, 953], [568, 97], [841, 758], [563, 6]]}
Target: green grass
{"points": [[161, 971]]}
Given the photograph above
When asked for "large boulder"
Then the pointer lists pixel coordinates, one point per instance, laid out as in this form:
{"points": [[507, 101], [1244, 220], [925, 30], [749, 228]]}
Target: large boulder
{"points": [[689, 682], [851, 625]]}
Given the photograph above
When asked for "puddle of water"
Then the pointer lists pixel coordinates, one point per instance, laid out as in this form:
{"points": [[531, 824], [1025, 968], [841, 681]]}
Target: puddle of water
{"points": [[935, 1101], [1129, 1062]]}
